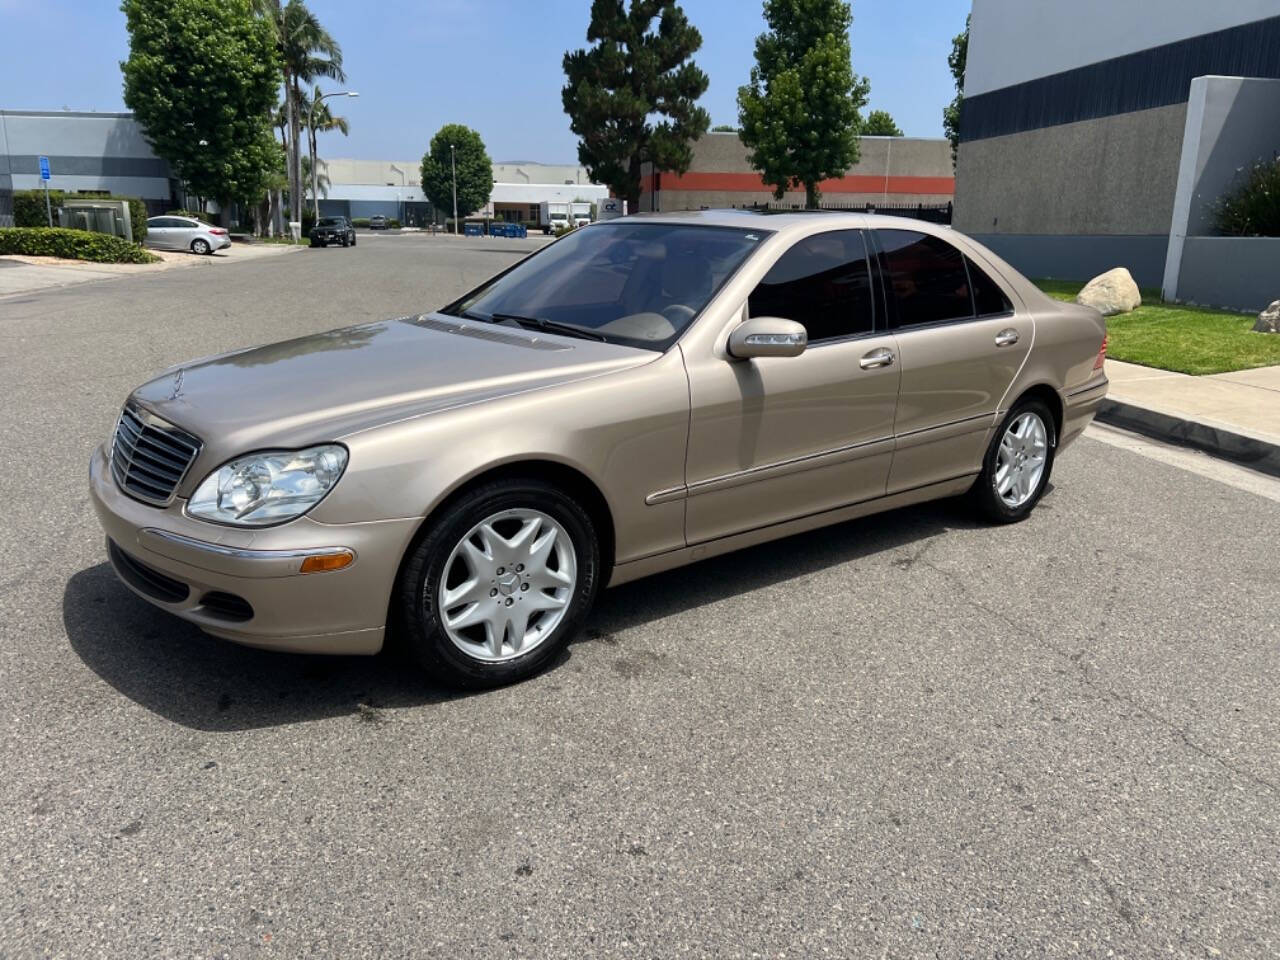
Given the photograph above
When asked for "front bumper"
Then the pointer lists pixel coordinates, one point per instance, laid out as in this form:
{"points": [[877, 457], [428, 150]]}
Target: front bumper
{"points": [[200, 564]]}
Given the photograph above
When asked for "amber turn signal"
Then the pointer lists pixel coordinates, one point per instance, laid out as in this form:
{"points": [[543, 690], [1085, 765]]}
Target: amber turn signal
{"points": [[328, 561]]}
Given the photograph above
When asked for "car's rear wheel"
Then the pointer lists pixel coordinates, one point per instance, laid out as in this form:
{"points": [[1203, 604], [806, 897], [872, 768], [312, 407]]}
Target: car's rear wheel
{"points": [[501, 581], [200, 246], [1016, 469]]}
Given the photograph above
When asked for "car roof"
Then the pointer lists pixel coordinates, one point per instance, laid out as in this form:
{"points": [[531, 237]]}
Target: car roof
{"points": [[784, 221]]}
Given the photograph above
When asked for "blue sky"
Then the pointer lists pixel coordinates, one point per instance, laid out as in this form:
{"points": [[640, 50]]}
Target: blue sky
{"points": [[492, 64]]}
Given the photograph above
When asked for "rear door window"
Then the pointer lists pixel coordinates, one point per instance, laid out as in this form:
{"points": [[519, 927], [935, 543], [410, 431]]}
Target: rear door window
{"points": [[823, 283], [927, 277], [988, 299]]}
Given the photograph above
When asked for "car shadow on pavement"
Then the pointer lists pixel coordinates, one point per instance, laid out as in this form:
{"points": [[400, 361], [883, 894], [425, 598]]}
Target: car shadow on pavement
{"points": [[174, 670], [771, 563]]}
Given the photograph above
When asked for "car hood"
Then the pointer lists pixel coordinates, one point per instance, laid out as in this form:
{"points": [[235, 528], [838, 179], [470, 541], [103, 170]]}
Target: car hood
{"points": [[330, 385]]}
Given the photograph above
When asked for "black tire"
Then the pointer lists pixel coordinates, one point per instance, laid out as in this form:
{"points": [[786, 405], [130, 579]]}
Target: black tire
{"points": [[983, 494], [346, 242], [417, 614], [201, 247], [353, 241]]}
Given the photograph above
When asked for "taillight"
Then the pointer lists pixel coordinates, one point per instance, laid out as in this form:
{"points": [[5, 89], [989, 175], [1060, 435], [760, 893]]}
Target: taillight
{"points": [[1102, 353], [218, 231]]}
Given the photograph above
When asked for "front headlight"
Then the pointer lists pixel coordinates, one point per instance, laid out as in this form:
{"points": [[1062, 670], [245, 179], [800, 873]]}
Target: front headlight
{"points": [[269, 487]]}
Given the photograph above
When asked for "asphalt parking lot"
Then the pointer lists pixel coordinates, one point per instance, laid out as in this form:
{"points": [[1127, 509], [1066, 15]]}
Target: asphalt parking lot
{"points": [[910, 735]]}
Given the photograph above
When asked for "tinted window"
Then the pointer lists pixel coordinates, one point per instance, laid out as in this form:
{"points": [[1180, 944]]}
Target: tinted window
{"points": [[823, 283], [331, 221], [632, 282], [988, 298], [927, 276], [166, 222]]}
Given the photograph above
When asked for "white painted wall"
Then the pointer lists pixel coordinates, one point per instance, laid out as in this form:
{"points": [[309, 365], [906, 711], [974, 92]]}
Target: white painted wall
{"points": [[1013, 41]]}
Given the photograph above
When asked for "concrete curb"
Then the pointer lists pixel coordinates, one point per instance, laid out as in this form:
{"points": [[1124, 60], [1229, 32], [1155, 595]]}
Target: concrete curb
{"points": [[1212, 438]]}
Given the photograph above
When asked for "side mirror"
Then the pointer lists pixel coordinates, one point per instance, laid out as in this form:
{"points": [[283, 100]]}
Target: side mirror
{"points": [[767, 337]]}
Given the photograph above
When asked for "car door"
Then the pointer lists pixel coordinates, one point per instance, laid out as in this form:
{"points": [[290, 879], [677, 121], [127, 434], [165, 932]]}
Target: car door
{"points": [[776, 438], [961, 344], [183, 232], [159, 230]]}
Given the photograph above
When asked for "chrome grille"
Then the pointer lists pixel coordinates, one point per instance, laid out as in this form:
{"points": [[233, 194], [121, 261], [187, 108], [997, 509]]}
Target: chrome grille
{"points": [[150, 456]]}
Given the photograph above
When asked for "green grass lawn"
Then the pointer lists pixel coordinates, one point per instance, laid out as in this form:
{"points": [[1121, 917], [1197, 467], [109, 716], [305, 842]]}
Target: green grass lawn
{"points": [[1186, 339]]}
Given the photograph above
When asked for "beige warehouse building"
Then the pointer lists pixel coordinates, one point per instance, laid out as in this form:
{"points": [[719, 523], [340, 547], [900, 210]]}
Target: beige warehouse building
{"points": [[891, 172]]}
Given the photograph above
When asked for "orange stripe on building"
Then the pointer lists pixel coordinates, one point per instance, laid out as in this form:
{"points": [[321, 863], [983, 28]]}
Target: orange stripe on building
{"points": [[862, 183]]}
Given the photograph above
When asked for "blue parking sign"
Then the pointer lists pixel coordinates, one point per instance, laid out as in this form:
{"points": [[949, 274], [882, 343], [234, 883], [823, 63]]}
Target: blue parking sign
{"points": [[44, 168]]}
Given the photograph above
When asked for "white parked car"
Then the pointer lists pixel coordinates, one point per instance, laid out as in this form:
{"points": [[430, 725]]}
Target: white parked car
{"points": [[185, 233]]}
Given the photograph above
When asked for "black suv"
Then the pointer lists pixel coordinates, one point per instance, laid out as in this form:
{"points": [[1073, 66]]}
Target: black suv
{"points": [[333, 230]]}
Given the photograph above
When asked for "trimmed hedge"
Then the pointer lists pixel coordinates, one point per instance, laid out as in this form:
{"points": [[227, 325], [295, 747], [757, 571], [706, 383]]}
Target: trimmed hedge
{"points": [[72, 245], [29, 209], [184, 213], [360, 222], [393, 223]]}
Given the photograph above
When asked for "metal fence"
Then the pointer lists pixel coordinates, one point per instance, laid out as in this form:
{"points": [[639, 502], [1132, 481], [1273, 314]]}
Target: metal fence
{"points": [[931, 212]]}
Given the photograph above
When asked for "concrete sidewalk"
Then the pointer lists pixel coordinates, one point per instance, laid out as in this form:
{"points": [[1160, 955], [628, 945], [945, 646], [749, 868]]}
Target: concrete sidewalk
{"points": [[1231, 415], [26, 275]]}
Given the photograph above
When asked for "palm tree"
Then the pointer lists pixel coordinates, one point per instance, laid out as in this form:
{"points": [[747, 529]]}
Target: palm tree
{"points": [[306, 51], [318, 179], [319, 119]]}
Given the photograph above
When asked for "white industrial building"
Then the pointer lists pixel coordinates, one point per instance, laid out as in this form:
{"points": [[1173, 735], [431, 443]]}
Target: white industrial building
{"points": [[364, 188], [109, 151]]}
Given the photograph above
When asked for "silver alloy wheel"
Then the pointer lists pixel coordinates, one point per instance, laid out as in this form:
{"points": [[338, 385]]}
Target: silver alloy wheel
{"points": [[199, 246], [1020, 460], [507, 585]]}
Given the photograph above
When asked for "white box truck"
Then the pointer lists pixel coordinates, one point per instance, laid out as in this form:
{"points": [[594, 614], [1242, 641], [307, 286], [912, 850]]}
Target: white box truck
{"points": [[555, 215]]}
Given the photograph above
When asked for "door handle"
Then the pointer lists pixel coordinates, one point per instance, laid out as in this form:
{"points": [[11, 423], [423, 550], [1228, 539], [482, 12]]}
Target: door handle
{"points": [[1007, 337], [876, 358]]}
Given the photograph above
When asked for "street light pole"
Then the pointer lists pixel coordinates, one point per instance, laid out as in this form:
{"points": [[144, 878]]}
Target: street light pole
{"points": [[453, 167], [311, 122]]}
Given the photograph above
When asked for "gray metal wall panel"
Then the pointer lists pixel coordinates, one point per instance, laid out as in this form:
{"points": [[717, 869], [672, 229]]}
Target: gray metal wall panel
{"points": [[1081, 257], [64, 166], [1238, 273]]}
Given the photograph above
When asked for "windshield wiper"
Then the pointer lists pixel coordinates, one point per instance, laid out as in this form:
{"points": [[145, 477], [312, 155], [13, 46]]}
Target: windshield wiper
{"points": [[540, 323]]}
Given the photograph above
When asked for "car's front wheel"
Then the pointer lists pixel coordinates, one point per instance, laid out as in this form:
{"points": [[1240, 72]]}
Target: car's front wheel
{"points": [[1016, 469], [200, 246], [501, 581]]}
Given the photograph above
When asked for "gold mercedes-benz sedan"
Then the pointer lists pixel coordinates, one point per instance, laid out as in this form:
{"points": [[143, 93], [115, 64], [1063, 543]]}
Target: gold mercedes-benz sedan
{"points": [[641, 394]]}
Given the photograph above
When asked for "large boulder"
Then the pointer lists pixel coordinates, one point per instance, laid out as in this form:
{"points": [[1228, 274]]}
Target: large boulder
{"points": [[1269, 319], [1111, 293]]}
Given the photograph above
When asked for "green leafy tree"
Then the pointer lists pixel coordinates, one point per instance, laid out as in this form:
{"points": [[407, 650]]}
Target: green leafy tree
{"points": [[880, 124], [799, 112], [724, 128], [201, 78], [951, 113], [475, 170], [635, 72]]}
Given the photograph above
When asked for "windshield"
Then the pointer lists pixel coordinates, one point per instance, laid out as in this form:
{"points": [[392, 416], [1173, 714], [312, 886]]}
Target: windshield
{"points": [[634, 283], [330, 221]]}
